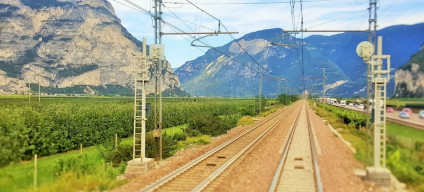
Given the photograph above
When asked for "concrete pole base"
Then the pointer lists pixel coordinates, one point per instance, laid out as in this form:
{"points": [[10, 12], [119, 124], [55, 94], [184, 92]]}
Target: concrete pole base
{"points": [[139, 166], [380, 176]]}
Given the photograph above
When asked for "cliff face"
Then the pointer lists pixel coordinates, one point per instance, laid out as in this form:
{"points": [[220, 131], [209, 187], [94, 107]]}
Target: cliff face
{"points": [[410, 78], [67, 43]]}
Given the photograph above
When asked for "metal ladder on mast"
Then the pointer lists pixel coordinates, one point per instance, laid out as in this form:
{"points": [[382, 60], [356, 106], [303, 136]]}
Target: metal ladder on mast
{"points": [[141, 77]]}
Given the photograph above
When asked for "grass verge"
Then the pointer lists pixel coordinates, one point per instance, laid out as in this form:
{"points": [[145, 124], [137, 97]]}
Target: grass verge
{"points": [[69, 171]]}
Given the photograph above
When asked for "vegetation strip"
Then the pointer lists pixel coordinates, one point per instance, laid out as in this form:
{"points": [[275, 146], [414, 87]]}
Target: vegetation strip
{"points": [[405, 145], [406, 123]]}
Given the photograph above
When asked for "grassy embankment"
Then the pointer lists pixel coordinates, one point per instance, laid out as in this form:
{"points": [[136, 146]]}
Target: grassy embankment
{"points": [[405, 145]]}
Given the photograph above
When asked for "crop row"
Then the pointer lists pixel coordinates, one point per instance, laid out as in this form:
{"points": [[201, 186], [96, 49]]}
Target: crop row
{"points": [[54, 127]]}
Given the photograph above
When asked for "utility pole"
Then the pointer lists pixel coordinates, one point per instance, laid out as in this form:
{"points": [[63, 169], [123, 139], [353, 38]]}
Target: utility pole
{"points": [[29, 90], [323, 86], [285, 87], [158, 60], [39, 92], [278, 87], [372, 34], [260, 91]]}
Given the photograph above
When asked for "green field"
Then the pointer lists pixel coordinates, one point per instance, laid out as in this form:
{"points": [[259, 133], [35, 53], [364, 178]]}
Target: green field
{"points": [[55, 128], [54, 168]]}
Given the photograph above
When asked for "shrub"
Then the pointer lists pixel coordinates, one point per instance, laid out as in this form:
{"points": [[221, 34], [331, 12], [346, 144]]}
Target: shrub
{"points": [[246, 120], [212, 125], [169, 146], [120, 154]]}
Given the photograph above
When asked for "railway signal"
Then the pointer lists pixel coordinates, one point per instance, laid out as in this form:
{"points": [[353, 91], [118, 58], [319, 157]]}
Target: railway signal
{"points": [[379, 75]]}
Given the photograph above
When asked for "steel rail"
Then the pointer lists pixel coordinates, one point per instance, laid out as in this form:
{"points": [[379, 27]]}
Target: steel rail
{"points": [[284, 155], [221, 169], [196, 161], [318, 182]]}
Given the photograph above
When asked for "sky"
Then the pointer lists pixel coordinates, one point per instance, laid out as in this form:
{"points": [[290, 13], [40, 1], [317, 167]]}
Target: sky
{"points": [[246, 16]]}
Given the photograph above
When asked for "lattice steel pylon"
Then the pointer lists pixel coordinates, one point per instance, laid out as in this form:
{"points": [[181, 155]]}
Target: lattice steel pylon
{"points": [[140, 64], [372, 37], [372, 34]]}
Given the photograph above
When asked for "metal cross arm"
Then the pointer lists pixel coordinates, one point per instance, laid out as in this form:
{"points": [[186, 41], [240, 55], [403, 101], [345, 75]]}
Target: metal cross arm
{"points": [[323, 31], [200, 33]]}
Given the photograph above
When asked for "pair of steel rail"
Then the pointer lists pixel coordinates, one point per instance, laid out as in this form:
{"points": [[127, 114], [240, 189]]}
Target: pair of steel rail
{"points": [[219, 170], [277, 176]]}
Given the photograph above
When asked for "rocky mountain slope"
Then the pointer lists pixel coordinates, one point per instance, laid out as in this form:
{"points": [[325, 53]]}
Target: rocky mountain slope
{"points": [[410, 77], [216, 74], [69, 47]]}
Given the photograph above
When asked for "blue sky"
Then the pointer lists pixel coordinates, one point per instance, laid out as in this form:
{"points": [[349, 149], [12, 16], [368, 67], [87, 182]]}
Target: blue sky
{"points": [[244, 16]]}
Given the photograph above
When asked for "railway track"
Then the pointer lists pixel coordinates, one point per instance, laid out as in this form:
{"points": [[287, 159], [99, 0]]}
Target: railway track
{"points": [[202, 171], [298, 168]]}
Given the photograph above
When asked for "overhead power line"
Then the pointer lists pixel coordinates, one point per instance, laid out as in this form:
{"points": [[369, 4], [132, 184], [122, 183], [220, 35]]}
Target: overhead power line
{"points": [[182, 33], [244, 50], [243, 3]]}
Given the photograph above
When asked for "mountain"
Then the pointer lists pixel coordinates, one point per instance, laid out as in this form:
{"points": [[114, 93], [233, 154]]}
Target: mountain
{"points": [[217, 74], [68, 46], [410, 77]]}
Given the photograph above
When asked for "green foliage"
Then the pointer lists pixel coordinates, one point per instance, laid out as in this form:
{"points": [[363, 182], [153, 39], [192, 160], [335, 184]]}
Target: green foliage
{"points": [[73, 182], [264, 103], [49, 129], [287, 99], [60, 124], [120, 154], [246, 120], [169, 145], [349, 117], [69, 171], [193, 141], [82, 164], [406, 165], [212, 125]]}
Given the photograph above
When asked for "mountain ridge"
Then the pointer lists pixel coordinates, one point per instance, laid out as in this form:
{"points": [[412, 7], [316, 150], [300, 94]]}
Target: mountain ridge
{"points": [[66, 43], [345, 71]]}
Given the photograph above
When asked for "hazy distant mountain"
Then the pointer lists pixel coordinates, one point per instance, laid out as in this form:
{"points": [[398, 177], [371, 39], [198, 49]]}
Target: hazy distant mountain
{"points": [[216, 74], [71, 46], [410, 77]]}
